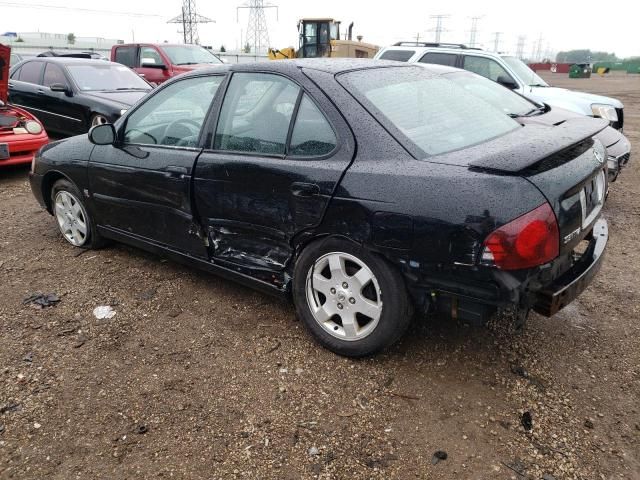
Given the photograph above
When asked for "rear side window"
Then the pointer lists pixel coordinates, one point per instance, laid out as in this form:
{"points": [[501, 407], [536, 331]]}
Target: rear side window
{"points": [[312, 134], [428, 111], [397, 55], [448, 59], [31, 72], [126, 56], [486, 67], [256, 114]]}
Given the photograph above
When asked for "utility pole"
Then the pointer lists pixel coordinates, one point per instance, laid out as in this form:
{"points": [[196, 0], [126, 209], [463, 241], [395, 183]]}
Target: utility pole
{"points": [[257, 36], [190, 20], [439, 29], [520, 47], [496, 41], [474, 31], [537, 49]]}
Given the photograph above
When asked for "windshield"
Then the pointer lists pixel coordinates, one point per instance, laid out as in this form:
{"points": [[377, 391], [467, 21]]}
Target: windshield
{"points": [[434, 114], [101, 77], [524, 73], [189, 55], [493, 93]]}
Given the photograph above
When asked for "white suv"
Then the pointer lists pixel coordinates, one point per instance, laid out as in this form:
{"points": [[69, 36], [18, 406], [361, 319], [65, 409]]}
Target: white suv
{"points": [[509, 71]]}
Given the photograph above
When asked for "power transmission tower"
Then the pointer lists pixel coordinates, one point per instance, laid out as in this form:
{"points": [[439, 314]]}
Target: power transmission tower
{"points": [[257, 37], [520, 47], [190, 20], [496, 41], [438, 28], [474, 31], [537, 49]]}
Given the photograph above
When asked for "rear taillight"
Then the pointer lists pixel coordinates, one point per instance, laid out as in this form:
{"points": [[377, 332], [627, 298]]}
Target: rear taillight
{"points": [[528, 241]]}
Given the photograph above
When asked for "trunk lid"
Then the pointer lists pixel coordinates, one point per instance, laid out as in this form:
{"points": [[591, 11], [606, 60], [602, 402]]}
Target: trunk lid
{"points": [[565, 163]]}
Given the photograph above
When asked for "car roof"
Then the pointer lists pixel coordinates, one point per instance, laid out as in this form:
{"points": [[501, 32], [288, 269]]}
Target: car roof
{"points": [[329, 65], [448, 48], [71, 61]]}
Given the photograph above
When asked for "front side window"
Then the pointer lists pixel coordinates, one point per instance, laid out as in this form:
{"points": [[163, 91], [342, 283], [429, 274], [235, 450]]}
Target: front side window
{"points": [[174, 116], [53, 75], [430, 112], [150, 56], [31, 72], [126, 56], [312, 134], [491, 92], [486, 67], [397, 55], [189, 54], [256, 114], [448, 59]]}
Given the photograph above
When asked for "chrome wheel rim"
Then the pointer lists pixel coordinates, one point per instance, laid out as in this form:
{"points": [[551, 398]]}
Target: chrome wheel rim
{"points": [[98, 120], [71, 218], [344, 296]]}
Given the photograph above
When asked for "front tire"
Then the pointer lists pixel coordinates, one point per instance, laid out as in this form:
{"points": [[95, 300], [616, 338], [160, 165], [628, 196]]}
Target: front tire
{"points": [[72, 216], [350, 300]]}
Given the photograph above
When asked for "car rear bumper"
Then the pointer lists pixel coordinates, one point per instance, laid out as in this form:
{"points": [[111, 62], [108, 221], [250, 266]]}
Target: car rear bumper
{"points": [[572, 283]]}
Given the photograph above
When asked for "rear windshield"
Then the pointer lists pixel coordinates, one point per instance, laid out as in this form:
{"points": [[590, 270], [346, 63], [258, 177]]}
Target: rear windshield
{"points": [[397, 55], [430, 112]]}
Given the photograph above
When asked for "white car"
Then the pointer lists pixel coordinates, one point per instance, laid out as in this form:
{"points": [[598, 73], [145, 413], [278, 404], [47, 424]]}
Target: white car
{"points": [[510, 72]]}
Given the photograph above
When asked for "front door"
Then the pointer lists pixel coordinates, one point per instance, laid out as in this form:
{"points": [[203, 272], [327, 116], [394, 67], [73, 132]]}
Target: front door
{"points": [[141, 187], [269, 172], [66, 116]]}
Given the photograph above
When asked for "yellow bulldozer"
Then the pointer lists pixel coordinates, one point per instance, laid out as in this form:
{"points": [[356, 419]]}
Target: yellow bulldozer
{"points": [[320, 37]]}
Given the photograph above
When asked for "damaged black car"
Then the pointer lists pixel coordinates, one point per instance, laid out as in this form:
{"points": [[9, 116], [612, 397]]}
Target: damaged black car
{"points": [[363, 190]]}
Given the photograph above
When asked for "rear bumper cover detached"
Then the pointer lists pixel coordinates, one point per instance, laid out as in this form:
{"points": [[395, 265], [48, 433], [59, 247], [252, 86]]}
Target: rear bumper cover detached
{"points": [[572, 283]]}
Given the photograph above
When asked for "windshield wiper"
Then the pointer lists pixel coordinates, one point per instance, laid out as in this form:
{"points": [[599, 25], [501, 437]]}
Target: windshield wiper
{"points": [[535, 111], [538, 85], [187, 63]]}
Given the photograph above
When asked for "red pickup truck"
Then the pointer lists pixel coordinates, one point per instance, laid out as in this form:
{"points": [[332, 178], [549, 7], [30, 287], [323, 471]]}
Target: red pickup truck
{"points": [[158, 62]]}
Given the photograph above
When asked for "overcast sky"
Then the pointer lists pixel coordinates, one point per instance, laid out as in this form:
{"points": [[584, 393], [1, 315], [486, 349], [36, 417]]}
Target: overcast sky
{"points": [[609, 26]]}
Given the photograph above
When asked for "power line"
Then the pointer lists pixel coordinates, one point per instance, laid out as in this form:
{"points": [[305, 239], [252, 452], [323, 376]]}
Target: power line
{"points": [[520, 46], [77, 9]]}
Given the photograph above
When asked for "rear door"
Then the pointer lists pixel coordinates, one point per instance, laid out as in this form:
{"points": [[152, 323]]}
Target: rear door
{"points": [[24, 88], [141, 187], [441, 58], [278, 153]]}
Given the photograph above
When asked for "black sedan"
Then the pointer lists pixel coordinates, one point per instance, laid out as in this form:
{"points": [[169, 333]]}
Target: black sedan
{"points": [[365, 190], [70, 95]]}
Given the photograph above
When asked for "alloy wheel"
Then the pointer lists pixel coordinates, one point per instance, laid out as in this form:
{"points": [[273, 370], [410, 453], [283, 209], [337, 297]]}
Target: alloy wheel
{"points": [[344, 296], [71, 218]]}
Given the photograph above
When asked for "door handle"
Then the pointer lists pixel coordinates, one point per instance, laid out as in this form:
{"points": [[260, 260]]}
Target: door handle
{"points": [[174, 171], [301, 189]]}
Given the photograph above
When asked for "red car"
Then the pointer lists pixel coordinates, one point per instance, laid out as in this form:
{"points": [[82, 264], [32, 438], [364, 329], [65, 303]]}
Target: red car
{"points": [[21, 134], [158, 62]]}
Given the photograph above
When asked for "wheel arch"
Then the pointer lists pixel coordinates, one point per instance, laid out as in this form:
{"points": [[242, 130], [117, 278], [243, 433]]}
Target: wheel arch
{"points": [[49, 179]]}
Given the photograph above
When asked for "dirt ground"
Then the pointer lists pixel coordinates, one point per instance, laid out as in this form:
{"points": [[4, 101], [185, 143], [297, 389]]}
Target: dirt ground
{"points": [[199, 378]]}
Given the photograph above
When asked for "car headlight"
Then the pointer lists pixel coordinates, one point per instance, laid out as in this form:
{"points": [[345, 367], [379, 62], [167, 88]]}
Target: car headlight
{"points": [[33, 127], [604, 111]]}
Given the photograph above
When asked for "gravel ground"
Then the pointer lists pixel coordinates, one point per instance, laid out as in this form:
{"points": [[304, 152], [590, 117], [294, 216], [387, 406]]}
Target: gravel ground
{"points": [[196, 377]]}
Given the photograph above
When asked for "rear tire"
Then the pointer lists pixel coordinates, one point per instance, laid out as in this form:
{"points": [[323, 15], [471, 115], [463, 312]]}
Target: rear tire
{"points": [[351, 301], [72, 216]]}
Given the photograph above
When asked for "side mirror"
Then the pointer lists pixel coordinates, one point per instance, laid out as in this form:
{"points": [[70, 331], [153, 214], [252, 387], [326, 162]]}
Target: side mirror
{"points": [[160, 66], [102, 134], [507, 81], [60, 87]]}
